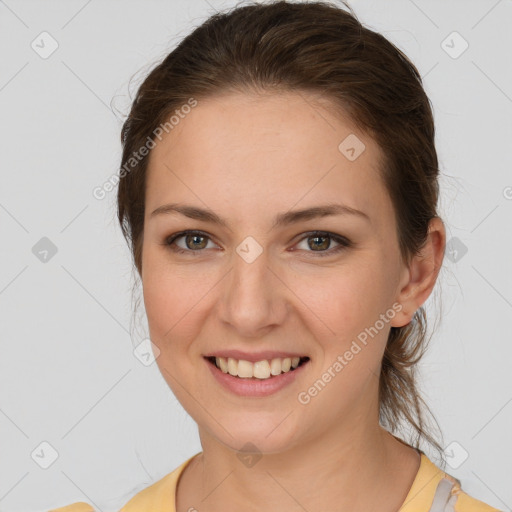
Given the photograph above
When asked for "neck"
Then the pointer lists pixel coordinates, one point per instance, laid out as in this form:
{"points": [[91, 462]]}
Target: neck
{"points": [[364, 468]]}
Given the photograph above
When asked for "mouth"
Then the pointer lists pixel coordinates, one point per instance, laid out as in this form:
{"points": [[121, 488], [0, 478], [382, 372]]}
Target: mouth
{"points": [[261, 370]]}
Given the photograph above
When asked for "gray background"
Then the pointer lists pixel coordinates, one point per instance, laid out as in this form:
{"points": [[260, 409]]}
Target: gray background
{"points": [[68, 373]]}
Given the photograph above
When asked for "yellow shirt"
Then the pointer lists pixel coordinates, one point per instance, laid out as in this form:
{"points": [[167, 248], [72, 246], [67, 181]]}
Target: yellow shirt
{"points": [[432, 491]]}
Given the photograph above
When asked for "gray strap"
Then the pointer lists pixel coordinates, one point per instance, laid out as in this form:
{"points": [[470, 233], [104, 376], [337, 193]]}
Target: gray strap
{"points": [[442, 501]]}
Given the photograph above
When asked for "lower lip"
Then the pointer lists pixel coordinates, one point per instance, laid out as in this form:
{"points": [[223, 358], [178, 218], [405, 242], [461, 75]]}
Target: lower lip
{"points": [[253, 386]]}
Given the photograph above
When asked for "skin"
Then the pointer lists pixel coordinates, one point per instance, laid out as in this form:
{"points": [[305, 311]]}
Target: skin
{"points": [[248, 157]]}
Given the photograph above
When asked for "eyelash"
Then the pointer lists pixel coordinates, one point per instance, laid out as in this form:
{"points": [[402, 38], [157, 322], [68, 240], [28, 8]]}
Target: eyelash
{"points": [[343, 242]]}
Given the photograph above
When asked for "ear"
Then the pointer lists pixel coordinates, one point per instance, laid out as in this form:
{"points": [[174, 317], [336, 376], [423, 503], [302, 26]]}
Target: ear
{"points": [[419, 277]]}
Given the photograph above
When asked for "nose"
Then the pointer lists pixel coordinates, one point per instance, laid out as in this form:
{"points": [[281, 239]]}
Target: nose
{"points": [[253, 297]]}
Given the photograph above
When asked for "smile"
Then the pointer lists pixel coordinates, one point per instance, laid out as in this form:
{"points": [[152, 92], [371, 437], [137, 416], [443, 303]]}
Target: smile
{"points": [[249, 385], [265, 369]]}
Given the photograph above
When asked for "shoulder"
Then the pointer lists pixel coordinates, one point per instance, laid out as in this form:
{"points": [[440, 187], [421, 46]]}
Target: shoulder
{"points": [[466, 503], [436, 490], [157, 497], [74, 507]]}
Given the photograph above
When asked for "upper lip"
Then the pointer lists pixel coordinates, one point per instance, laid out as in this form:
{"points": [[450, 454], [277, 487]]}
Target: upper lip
{"points": [[253, 357]]}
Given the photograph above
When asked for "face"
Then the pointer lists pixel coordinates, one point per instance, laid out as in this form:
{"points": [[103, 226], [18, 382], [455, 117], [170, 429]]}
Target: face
{"points": [[252, 284]]}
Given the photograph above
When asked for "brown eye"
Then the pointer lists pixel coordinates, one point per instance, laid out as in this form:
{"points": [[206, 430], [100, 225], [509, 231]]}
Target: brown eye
{"points": [[194, 242], [319, 242]]}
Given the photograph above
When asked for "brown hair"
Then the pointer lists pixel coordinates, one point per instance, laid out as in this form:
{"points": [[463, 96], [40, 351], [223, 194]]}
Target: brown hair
{"points": [[319, 48]]}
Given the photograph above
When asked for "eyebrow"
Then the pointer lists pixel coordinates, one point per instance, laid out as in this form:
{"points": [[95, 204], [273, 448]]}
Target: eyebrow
{"points": [[282, 219]]}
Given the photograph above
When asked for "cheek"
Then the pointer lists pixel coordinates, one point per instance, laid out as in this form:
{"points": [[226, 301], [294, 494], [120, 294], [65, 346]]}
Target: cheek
{"points": [[169, 326], [347, 303], [346, 298], [159, 302], [172, 299]]}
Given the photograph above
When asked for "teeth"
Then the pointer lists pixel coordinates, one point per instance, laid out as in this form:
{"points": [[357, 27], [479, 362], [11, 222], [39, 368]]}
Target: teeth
{"points": [[260, 370], [232, 366], [244, 368], [275, 366], [222, 364]]}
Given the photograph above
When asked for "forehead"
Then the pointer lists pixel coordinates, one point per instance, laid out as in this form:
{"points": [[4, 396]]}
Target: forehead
{"points": [[279, 149]]}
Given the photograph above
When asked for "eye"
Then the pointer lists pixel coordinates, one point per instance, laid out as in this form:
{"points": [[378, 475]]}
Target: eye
{"points": [[321, 242], [194, 242]]}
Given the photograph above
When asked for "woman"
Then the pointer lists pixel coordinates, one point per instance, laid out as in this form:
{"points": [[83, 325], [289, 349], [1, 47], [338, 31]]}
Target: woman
{"points": [[278, 190]]}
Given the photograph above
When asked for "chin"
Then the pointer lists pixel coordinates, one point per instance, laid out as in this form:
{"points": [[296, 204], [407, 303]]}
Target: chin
{"points": [[262, 437]]}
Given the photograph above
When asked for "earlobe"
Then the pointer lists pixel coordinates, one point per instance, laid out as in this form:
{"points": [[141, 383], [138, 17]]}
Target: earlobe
{"points": [[422, 273]]}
